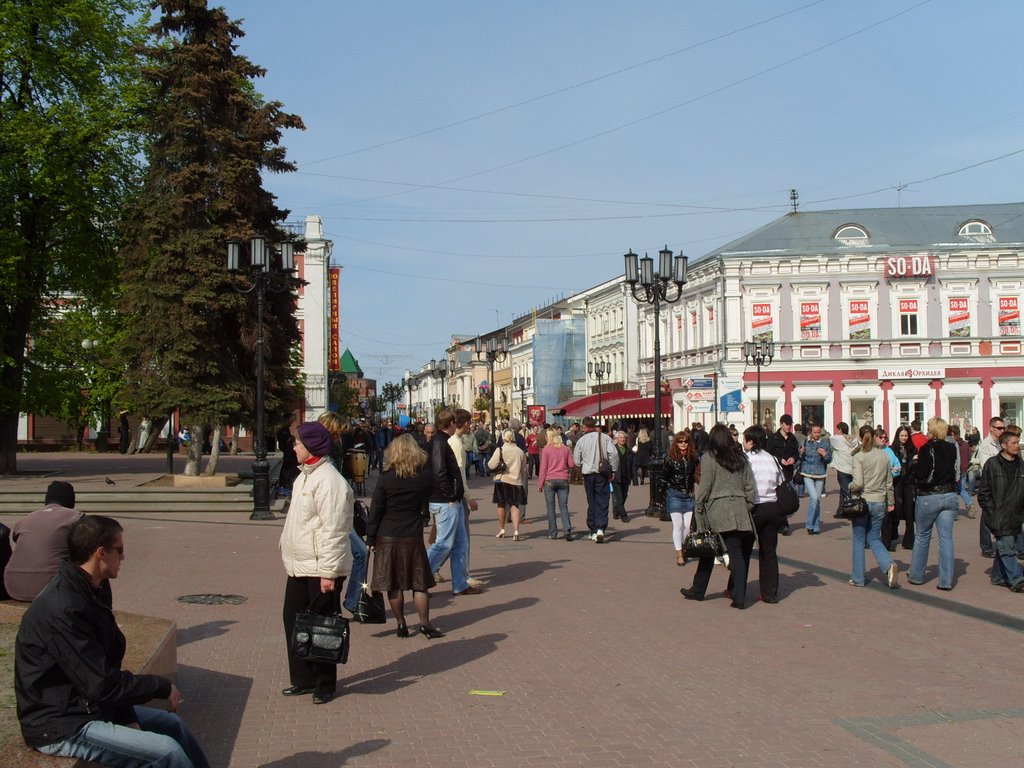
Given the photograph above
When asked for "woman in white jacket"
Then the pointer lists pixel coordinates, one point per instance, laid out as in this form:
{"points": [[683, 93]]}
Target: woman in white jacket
{"points": [[315, 550]]}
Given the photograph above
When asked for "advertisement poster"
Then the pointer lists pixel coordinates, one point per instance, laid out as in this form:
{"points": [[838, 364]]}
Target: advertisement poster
{"points": [[1009, 316], [761, 322], [810, 320], [959, 317], [334, 342], [860, 319], [536, 414]]}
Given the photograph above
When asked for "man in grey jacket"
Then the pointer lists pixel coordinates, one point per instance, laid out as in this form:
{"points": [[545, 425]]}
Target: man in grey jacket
{"points": [[587, 453]]}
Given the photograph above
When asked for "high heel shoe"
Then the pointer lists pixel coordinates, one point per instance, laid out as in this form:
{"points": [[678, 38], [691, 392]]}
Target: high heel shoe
{"points": [[515, 536], [403, 630], [431, 633], [500, 534], [680, 559]]}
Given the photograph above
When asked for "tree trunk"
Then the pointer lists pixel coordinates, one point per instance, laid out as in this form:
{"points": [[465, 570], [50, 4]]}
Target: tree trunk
{"points": [[195, 451], [154, 435], [211, 465], [9, 443]]}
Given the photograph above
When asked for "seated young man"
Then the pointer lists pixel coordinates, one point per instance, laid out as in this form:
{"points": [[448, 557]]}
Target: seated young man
{"points": [[74, 700]]}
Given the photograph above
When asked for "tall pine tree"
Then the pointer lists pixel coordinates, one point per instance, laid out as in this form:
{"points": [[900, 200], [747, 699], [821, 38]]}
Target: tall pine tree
{"points": [[68, 105], [210, 136]]}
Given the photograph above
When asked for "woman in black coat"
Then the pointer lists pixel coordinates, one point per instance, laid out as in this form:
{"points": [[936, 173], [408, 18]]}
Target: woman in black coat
{"points": [[394, 532], [905, 489], [622, 478]]}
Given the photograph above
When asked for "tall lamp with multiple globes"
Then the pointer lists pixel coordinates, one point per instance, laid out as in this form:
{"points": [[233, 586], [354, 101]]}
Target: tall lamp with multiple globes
{"points": [[598, 370], [262, 275], [664, 286], [521, 384], [410, 384], [492, 352], [440, 371], [759, 354]]}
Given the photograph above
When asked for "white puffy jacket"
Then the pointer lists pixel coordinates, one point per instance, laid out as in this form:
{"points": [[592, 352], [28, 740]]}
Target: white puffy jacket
{"points": [[314, 541]]}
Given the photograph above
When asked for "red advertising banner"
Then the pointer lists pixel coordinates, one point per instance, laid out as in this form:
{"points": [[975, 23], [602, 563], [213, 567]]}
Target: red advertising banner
{"points": [[860, 319], [810, 320], [334, 343], [1009, 316], [897, 267], [536, 414], [761, 324], [959, 316], [908, 306]]}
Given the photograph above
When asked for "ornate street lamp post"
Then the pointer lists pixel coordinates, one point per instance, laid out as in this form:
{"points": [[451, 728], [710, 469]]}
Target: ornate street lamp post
{"points": [[261, 275], [491, 353], [520, 385], [759, 354], [410, 384], [440, 371], [655, 288], [599, 370]]}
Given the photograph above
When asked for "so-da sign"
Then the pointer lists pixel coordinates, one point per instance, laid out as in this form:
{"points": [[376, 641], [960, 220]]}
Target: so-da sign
{"points": [[922, 265]]}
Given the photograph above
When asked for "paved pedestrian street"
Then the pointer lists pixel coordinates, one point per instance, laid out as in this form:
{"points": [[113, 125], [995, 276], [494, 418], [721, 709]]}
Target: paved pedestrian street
{"points": [[580, 654]]}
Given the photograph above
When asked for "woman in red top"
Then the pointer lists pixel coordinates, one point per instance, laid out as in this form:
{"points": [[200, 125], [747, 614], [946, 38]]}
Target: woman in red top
{"points": [[533, 452]]}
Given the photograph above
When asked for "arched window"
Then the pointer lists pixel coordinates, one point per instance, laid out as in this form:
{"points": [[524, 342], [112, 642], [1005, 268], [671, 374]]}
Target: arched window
{"points": [[976, 231], [851, 234]]}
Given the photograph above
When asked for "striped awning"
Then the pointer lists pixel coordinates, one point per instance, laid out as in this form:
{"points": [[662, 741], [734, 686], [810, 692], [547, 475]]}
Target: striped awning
{"points": [[587, 405], [638, 408]]}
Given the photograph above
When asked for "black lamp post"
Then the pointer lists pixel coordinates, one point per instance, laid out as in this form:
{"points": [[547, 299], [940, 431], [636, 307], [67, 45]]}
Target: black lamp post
{"points": [[261, 275], [759, 354], [655, 288], [440, 371], [491, 353], [599, 370], [520, 385], [410, 384]]}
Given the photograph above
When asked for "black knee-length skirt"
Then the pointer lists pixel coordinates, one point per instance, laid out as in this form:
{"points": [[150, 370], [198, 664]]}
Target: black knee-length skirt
{"points": [[401, 564], [508, 495]]}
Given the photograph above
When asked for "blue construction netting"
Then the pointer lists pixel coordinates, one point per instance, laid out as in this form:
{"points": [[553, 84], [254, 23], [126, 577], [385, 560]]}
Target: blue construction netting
{"points": [[558, 360]]}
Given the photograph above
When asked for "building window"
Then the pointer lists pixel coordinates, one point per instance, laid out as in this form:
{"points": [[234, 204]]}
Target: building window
{"points": [[975, 228], [911, 410], [851, 234], [908, 317]]}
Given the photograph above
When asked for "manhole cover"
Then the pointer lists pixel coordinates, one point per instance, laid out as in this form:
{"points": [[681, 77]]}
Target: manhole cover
{"points": [[209, 599]]}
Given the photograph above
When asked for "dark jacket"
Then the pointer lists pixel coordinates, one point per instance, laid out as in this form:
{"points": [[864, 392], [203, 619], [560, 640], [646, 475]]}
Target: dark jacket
{"points": [[624, 472], [678, 474], [1001, 495], [399, 506], [67, 663], [447, 477], [784, 447], [937, 464]]}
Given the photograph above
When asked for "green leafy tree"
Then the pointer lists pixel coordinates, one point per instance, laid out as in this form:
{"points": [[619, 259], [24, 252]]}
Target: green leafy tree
{"points": [[344, 397], [68, 102], [210, 136], [391, 393]]}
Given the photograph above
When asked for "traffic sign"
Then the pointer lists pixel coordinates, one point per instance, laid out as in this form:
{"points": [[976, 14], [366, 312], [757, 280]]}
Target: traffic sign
{"points": [[701, 383], [701, 394], [701, 406]]}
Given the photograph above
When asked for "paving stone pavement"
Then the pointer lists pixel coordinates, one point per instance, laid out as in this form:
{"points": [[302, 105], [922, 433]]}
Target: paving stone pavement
{"points": [[599, 659]]}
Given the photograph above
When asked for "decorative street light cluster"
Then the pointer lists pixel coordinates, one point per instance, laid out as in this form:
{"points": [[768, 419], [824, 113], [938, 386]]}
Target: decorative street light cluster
{"points": [[494, 351], [759, 354], [599, 370], [440, 371], [655, 288], [520, 384], [262, 273]]}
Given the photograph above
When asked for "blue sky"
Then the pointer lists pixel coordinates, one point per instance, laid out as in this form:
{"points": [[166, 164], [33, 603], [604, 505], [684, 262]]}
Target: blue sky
{"points": [[579, 130]]}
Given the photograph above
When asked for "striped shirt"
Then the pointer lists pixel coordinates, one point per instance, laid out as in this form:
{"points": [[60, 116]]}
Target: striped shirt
{"points": [[767, 475]]}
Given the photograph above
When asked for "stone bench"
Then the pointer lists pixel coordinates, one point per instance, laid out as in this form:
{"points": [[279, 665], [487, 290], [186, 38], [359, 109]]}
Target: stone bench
{"points": [[152, 648]]}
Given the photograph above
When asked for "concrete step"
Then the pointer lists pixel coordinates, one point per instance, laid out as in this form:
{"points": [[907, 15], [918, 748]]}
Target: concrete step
{"points": [[142, 499]]}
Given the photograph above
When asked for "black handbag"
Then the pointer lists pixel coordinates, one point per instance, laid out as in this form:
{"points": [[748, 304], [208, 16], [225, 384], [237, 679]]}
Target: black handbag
{"points": [[370, 608], [502, 468], [604, 465], [853, 508], [320, 639], [785, 497], [704, 543], [798, 475]]}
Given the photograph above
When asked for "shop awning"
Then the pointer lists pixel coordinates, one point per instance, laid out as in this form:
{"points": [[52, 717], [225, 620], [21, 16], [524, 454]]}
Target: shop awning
{"points": [[587, 405], [638, 408]]}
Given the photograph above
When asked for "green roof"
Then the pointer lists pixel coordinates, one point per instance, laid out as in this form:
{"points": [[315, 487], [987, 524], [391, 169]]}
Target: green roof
{"points": [[349, 364]]}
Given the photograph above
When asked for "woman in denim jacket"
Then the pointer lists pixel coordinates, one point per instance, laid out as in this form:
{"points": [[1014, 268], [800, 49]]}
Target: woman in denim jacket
{"points": [[817, 453]]}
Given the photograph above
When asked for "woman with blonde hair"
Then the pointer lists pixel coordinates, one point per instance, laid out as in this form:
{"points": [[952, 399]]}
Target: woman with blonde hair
{"points": [[642, 451], [553, 481], [872, 481], [937, 503], [508, 482], [394, 531]]}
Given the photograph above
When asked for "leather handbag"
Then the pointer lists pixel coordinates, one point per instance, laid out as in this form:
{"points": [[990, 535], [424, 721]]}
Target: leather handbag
{"points": [[604, 466], [502, 468], [853, 508], [703, 543], [786, 498], [320, 639], [798, 475], [370, 608]]}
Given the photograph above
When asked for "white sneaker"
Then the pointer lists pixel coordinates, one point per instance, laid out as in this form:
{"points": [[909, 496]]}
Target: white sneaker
{"points": [[591, 537], [472, 582], [599, 536]]}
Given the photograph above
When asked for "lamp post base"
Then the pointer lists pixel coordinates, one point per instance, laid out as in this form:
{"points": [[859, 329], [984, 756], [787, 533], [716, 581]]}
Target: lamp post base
{"points": [[656, 506], [261, 490]]}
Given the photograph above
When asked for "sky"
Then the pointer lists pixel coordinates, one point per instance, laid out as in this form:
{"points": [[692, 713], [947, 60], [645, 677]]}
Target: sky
{"points": [[474, 160]]}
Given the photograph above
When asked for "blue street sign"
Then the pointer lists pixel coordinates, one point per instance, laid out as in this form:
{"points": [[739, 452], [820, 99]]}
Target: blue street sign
{"points": [[701, 383]]}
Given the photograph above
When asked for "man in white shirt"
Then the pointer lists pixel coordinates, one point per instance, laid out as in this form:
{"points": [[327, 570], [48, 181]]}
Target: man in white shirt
{"points": [[587, 453]]}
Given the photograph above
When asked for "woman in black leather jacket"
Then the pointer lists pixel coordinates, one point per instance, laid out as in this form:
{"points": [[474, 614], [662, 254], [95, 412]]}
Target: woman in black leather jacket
{"points": [[679, 475], [905, 490]]}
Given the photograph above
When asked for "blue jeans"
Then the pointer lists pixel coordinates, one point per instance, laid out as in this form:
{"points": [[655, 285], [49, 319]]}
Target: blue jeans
{"points": [[162, 739], [961, 488], [557, 489], [870, 528], [452, 540], [679, 506], [597, 501], [1005, 567], [357, 578], [815, 487], [936, 510]]}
